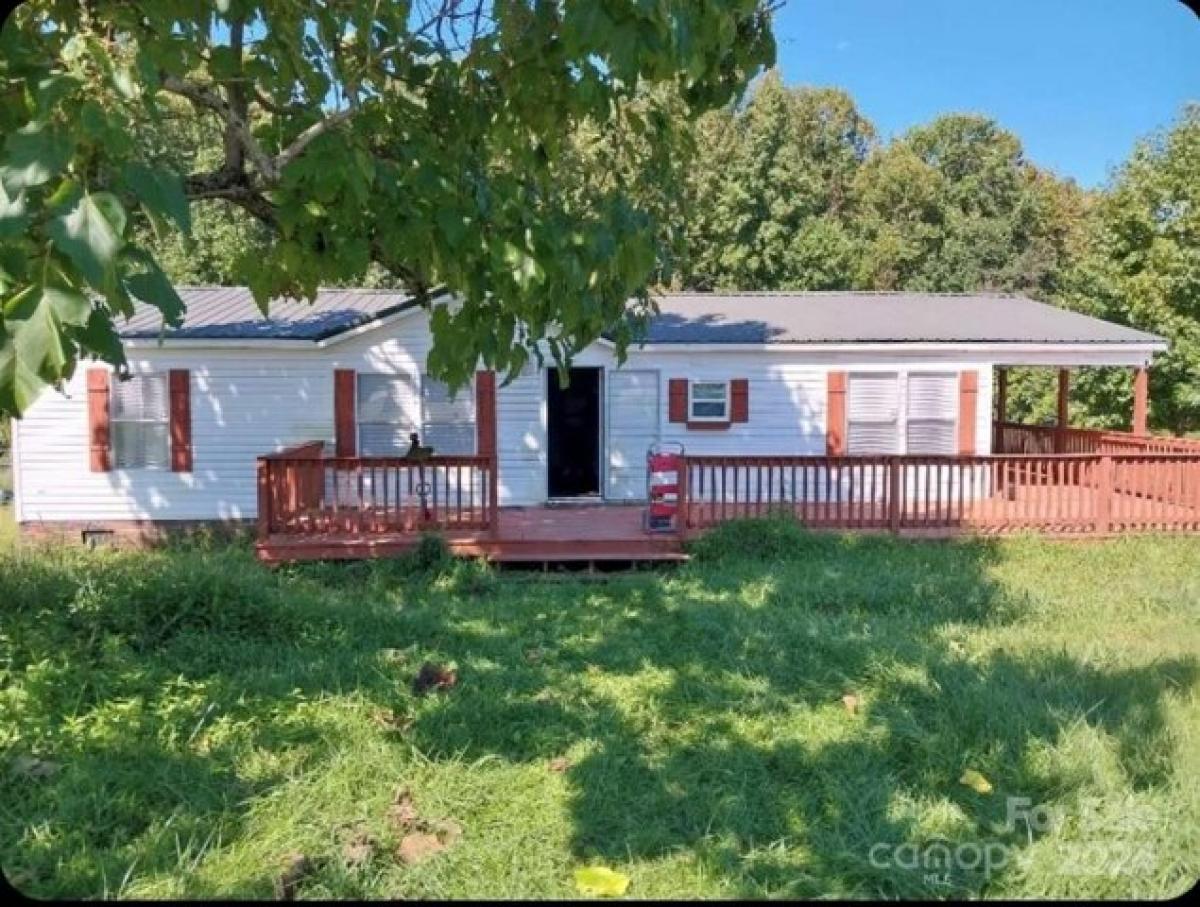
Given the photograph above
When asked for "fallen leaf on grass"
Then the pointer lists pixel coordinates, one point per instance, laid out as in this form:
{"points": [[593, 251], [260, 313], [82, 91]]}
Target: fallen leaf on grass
{"points": [[851, 702], [976, 781], [32, 767], [296, 867], [434, 676], [559, 764], [600, 881]]}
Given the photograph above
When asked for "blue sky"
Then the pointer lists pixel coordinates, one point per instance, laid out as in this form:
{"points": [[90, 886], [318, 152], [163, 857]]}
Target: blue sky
{"points": [[1078, 80]]}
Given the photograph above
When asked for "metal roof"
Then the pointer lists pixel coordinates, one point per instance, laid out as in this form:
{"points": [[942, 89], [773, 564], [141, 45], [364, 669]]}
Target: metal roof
{"points": [[231, 313], [864, 317], [691, 318]]}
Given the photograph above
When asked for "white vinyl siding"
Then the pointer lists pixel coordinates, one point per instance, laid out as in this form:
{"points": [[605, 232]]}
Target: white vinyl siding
{"points": [[873, 413], [931, 424], [633, 420], [385, 414], [140, 422], [449, 421]]}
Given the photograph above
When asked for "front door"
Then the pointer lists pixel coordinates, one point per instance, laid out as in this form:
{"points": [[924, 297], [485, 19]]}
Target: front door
{"points": [[573, 434]]}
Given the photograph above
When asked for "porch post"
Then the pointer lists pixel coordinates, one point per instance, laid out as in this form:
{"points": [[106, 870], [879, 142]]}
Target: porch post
{"points": [[1141, 400], [1001, 394], [1064, 391], [485, 441]]}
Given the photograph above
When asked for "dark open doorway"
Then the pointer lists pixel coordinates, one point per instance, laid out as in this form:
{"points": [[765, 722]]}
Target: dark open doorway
{"points": [[573, 434]]}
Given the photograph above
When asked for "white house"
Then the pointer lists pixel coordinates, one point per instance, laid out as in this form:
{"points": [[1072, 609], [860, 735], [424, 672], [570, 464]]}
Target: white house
{"points": [[723, 373]]}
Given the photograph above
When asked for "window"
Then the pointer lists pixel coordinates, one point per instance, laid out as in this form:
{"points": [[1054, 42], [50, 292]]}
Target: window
{"points": [[932, 417], [387, 414], [708, 401], [449, 421], [873, 414], [390, 409], [140, 422]]}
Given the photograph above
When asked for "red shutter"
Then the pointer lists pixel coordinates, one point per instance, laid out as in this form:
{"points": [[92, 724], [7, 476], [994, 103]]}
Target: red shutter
{"points": [[835, 415], [180, 383], [344, 431], [968, 394], [677, 399], [485, 413], [739, 400], [98, 428]]}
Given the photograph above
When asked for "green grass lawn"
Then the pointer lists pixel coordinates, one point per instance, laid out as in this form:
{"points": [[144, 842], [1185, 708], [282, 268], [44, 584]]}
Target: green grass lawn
{"points": [[175, 724]]}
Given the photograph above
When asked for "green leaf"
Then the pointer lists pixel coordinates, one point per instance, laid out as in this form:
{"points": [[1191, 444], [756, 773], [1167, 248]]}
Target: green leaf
{"points": [[32, 156], [161, 191], [38, 349], [13, 219], [19, 384], [99, 337], [601, 881], [152, 287], [90, 236]]}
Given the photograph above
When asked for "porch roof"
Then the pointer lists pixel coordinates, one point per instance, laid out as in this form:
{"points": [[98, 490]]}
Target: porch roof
{"points": [[876, 317]]}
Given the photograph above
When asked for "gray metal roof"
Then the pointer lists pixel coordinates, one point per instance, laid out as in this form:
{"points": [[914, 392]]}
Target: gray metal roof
{"points": [[705, 318], [865, 317], [231, 313]]}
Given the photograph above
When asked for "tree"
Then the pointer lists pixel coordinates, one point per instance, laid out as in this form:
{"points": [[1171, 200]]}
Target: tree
{"points": [[955, 206], [1141, 267], [427, 137], [769, 191]]}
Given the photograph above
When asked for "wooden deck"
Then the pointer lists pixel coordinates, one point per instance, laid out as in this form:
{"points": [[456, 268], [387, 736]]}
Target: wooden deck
{"points": [[316, 507], [524, 534]]}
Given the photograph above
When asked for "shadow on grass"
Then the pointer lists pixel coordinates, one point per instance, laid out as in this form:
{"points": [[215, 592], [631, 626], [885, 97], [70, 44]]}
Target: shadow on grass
{"points": [[703, 709]]}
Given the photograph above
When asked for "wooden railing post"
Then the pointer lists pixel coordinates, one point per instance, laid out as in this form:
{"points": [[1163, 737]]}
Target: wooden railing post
{"points": [[1104, 494], [493, 494], [682, 508], [264, 497], [894, 503]]}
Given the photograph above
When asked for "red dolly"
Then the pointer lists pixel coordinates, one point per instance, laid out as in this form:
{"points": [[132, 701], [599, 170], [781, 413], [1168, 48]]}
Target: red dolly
{"points": [[664, 460]]}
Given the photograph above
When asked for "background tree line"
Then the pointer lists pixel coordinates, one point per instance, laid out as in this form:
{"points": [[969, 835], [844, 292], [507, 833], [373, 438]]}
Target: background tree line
{"points": [[793, 189]]}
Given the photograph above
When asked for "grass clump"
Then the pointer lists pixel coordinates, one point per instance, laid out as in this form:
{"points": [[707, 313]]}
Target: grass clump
{"points": [[763, 538]]}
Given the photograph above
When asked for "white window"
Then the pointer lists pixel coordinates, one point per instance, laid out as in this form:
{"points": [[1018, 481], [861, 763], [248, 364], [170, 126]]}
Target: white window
{"points": [[140, 422], [449, 420], [708, 401], [931, 423], [873, 413], [387, 414]]}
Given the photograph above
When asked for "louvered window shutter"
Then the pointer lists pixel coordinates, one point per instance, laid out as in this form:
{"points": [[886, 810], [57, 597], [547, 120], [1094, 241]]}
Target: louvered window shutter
{"points": [[739, 400], [345, 431], [99, 430], [181, 420], [873, 410], [677, 400], [932, 413]]}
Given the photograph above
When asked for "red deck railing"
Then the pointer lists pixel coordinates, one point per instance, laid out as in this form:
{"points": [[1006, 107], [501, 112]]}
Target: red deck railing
{"points": [[1015, 438], [303, 492], [1075, 493]]}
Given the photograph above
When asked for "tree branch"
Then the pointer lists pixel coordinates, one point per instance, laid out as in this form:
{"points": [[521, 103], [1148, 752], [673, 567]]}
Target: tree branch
{"points": [[292, 151]]}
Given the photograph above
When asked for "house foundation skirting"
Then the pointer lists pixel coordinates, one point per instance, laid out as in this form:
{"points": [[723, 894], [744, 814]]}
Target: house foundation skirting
{"points": [[130, 533]]}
